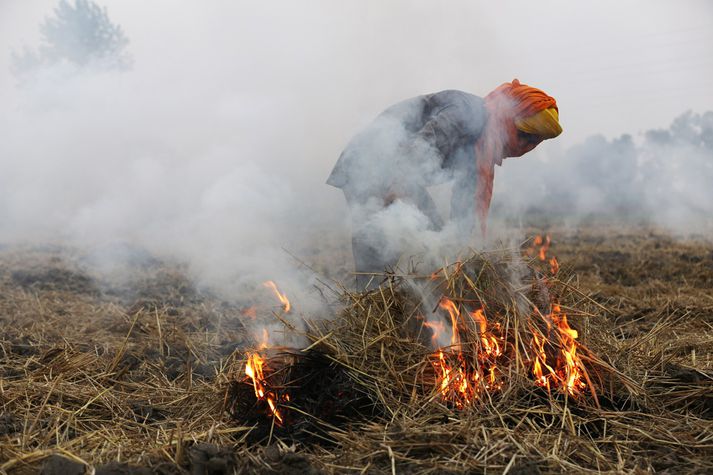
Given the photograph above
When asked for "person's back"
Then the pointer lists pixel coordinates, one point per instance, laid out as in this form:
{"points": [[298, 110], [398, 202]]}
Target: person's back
{"points": [[415, 141], [430, 139]]}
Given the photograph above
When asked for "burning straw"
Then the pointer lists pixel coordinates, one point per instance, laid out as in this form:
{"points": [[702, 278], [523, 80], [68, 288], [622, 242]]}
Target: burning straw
{"points": [[493, 363], [469, 365]]}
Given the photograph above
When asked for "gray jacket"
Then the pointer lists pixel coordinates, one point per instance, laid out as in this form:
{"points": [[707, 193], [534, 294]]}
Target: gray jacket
{"points": [[419, 142]]}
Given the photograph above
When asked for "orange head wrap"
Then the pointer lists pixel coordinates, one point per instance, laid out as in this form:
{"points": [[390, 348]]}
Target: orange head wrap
{"points": [[506, 104]]}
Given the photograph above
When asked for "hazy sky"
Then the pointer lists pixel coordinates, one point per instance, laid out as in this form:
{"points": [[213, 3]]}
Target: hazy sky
{"points": [[613, 66]]}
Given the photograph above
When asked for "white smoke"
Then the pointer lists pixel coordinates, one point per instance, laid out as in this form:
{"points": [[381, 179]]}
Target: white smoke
{"points": [[661, 177], [215, 146]]}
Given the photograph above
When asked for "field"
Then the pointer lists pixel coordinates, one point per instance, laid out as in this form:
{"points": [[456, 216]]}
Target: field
{"points": [[135, 376]]}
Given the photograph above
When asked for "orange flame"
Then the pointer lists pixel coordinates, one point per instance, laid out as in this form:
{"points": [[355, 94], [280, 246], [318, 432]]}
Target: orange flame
{"points": [[461, 380], [554, 265], [544, 247], [456, 385], [254, 370], [437, 328], [569, 365], [490, 343], [280, 296], [568, 372], [457, 267], [541, 378], [540, 245], [264, 339], [452, 309]]}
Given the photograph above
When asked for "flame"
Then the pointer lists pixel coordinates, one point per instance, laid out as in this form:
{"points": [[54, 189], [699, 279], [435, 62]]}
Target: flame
{"points": [[544, 246], [569, 365], [264, 339], [540, 245], [452, 309], [254, 370], [568, 372], [554, 265], [461, 380], [488, 340], [457, 267], [281, 297], [456, 384], [255, 367], [437, 329], [469, 368], [540, 362], [249, 312]]}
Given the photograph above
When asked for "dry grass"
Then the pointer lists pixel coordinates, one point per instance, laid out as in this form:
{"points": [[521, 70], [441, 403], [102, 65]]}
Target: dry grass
{"points": [[142, 380]]}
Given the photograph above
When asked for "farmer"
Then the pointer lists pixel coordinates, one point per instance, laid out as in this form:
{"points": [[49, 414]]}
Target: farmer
{"points": [[428, 140]]}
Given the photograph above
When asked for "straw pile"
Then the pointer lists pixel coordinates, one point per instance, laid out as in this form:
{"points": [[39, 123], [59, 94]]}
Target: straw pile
{"points": [[158, 386], [630, 416]]}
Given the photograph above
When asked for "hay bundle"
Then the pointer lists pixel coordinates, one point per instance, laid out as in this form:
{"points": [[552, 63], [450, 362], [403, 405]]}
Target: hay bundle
{"points": [[491, 308], [380, 343]]}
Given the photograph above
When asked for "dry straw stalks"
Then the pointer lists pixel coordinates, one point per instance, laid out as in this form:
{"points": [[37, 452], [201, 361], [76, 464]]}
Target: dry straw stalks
{"points": [[365, 394]]}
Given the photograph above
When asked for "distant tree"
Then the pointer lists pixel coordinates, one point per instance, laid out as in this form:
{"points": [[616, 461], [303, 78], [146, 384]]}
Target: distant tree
{"points": [[82, 35], [678, 164]]}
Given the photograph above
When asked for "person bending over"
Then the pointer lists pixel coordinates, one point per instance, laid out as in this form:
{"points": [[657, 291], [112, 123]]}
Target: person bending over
{"points": [[428, 140]]}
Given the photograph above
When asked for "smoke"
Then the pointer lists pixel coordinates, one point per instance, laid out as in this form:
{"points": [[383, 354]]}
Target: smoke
{"points": [[662, 177], [168, 165], [214, 147]]}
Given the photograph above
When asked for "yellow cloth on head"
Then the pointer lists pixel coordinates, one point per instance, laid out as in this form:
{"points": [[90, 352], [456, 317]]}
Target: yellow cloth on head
{"points": [[544, 124]]}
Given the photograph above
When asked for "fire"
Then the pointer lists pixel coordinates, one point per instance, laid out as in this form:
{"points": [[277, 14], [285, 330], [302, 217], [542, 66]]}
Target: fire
{"points": [[255, 364], [538, 345], [569, 365], [568, 371], [490, 343], [254, 371], [280, 296], [437, 328], [456, 384], [465, 371], [544, 246], [442, 270], [554, 266], [452, 309], [462, 379], [472, 365], [540, 246], [264, 339]]}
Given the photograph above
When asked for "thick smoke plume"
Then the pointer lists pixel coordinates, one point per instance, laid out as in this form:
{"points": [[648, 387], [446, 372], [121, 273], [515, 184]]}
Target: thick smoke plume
{"points": [[213, 145]]}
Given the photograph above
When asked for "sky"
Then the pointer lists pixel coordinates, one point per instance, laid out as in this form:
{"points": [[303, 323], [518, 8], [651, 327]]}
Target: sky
{"points": [[614, 67], [218, 141]]}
